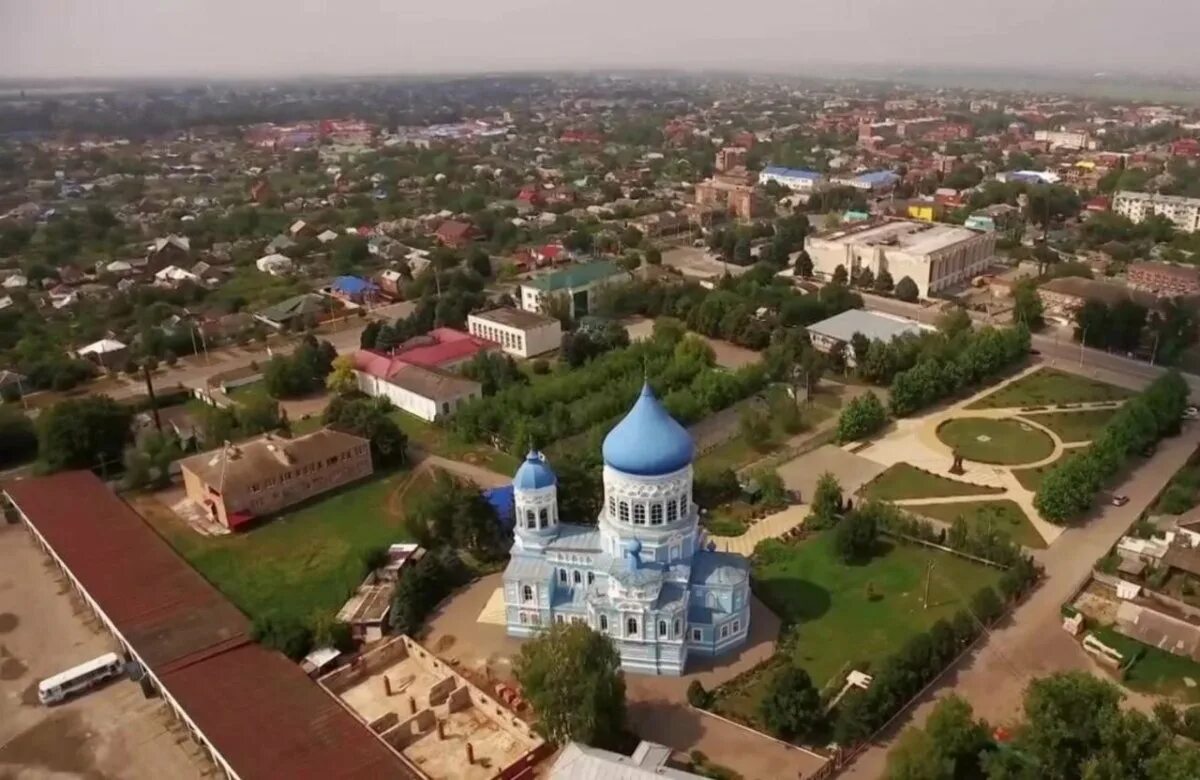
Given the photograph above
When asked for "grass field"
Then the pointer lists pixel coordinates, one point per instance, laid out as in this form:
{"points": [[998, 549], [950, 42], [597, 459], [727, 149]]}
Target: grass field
{"points": [[1049, 386], [1002, 442], [738, 452], [438, 441], [1157, 671], [1182, 493], [729, 520], [837, 625], [301, 562], [1031, 479], [1079, 426], [902, 481], [1003, 514]]}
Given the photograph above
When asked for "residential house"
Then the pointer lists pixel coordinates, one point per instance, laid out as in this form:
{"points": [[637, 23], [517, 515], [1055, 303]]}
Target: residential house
{"points": [[275, 264], [354, 289], [518, 332], [577, 283], [108, 353], [171, 250], [296, 311], [455, 234], [444, 348], [240, 482]]}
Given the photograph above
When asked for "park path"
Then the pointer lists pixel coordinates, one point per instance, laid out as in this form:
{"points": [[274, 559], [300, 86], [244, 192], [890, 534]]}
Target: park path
{"points": [[769, 527]]}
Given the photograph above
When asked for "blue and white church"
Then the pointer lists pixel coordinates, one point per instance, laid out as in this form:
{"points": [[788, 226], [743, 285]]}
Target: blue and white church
{"points": [[642, 574]]}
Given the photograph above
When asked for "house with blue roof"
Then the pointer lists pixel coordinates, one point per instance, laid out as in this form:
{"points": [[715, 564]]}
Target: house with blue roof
{"points": [[354, 289], [641, 572], [795, 179], [876, 182]]}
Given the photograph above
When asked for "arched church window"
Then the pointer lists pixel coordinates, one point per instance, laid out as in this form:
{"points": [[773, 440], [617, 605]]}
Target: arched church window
{"points": [[604, 622], [656, 513], [543, 517], [683, 506], [578, 578], [612, 507], [675, 635], [662, 628], [530, 519], [562, 575], [639, 514], [631, 627], [672, 511], [624, 512], [523, 618], [527, 593], [591, 578]]}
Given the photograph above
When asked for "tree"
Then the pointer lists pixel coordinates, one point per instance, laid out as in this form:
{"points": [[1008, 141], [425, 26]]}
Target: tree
{"points": [[947, 748], [421, 587], [865, 278], [856, 535], [18, 437], [906, 290], [827, 498], [572, 677], [792, 706], [285, 634], [369, 418], [754, 427], [771, 490], [1091, 323], [653, 256], [861, 417], [148, 464], [954, 321], [370, 334], [804, 265], [479, 262], [454, 514], [342, 379], [915, 757], [859, 344], [883, 282], [840, 276], [80, 433], [1027, 305]]}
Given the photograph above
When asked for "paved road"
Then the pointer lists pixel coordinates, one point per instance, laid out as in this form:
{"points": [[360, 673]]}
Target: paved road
{"points": [[1032, 643]]}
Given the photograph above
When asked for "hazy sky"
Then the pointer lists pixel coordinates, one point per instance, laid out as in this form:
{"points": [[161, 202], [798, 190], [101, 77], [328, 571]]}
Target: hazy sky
{"points": [[58, 38]]}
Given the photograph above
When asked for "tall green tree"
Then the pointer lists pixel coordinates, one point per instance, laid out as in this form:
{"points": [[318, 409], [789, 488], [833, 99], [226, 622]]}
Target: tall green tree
{"points": [[84, 433], [572, 677], [792, 706]]}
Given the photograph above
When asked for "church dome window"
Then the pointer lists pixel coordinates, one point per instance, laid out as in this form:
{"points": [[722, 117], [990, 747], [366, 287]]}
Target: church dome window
{"points": [[656, 514], [672, 511], [624, 513], [639, 514]]}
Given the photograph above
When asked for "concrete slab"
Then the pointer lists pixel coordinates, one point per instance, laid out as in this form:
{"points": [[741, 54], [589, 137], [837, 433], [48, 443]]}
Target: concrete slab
{"points": [[852, 471]]}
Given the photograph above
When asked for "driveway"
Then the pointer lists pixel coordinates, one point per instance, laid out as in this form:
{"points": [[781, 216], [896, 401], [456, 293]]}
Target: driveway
{"points": [[1032, 643]]}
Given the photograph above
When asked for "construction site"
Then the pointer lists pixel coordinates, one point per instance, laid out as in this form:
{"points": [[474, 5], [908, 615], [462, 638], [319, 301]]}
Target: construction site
{"points": [[443, 724]]}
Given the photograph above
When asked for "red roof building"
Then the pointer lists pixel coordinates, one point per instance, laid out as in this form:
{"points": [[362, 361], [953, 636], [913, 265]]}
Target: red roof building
{"points": [[1186, 147], [255, 711], [1098, 204], [455, 234], [531, 195], [444, 348]]}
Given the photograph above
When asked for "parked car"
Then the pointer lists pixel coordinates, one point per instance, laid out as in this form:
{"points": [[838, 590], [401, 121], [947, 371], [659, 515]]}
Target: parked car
{"points": [[1120, 500], [1191, 413]]}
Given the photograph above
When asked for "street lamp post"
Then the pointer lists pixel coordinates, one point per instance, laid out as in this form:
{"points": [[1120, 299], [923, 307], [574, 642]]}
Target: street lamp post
{"points": [[1082, 342]]}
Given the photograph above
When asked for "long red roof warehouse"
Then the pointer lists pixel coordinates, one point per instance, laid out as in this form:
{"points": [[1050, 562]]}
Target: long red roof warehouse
{"points": [[259, 710]]}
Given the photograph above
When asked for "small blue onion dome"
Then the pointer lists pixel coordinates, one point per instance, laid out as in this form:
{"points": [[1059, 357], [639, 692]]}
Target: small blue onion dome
{"points": [[534, 473], [648, 442]]}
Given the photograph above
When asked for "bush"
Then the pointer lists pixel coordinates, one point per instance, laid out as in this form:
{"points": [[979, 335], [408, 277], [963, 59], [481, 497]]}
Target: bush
{"points": [[697, 696], [792, 706], [856, 535], [540, 366], [862, 417], [287, 635], [906, 290]]}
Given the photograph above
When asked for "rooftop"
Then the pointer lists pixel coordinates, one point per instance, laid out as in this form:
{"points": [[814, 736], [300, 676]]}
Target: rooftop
{"points": [[575, 276], [514, 318], [250, 462], [648, 441], [905, 235], [432, 382], [582, 762], [1094, 289], [842, 327]]}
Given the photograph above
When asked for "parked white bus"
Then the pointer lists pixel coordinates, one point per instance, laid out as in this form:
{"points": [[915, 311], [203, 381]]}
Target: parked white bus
{"points": [[80, 678]]}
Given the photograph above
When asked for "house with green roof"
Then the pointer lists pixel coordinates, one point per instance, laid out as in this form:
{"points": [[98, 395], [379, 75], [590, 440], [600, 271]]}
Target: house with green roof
{"points": [[575, 282], [296, 311]]}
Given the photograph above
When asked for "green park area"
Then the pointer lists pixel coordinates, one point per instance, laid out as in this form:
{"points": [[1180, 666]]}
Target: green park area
{"points": [[1002, 514], [300, 563], [844, 617], [1074, 426], [751, 444], [1002, 442], [1050, 387], [903, 481], [1031, 478], [435, 440]]}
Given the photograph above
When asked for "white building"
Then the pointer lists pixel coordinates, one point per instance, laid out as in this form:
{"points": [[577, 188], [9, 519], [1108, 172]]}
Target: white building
{"points": [[1065, 139], [933, 255], [575, 283], [275, 265], [425, 392], [520, 333], [838, 330], [793, 178], [1183, 212]]}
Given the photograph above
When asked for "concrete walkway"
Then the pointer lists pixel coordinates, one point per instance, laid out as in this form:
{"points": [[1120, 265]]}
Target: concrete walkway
{"points": [[769, 527]]}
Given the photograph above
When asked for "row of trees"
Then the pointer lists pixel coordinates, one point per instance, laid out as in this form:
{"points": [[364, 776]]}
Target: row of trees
{"points": [[1067, 490], [302, 372], [561, 404], [1074, 728], [954, 363]]}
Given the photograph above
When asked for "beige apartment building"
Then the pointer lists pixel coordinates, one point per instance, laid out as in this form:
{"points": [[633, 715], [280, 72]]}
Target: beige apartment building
{"points": [[240, 482], [933, 255]]}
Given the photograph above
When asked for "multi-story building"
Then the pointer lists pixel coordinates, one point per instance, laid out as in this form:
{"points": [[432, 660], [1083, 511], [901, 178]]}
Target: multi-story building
{"points": [[239, 482], [934, 256], [1183, 212], [1065, 139], [518, 332], [793, 178], [577, 283], [641, 572], [1164, 280], [730, 158]]}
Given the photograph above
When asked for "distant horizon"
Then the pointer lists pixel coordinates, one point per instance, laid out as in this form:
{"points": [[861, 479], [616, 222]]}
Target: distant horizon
{"points": [[280, 39]]}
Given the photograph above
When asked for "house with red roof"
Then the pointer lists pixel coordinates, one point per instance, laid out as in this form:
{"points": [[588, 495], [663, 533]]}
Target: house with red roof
{"points": [[455, 234], [531, 196], [418, 375]]}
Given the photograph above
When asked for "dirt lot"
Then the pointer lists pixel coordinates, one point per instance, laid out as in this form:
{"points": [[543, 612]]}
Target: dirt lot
{"points": [[113, 732]]}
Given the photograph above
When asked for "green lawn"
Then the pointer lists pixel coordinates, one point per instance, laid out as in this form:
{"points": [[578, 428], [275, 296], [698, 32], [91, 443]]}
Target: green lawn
{"points": [[901, 481], [439, 441], [1031, 479], [299, 563], [1157, 672], [1182, 493], [737, 452], [837, 627], [1049, 386], [1003, 514], [728, 520], [1002, 442], [1078, 426]]}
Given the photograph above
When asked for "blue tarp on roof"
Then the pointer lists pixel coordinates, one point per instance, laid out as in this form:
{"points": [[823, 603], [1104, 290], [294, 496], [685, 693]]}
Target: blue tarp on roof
{"points": [[353, 285], [876, 178], [501, 499]]}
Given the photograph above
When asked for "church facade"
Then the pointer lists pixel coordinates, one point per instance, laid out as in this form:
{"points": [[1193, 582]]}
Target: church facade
{"points": [[642, 574]]}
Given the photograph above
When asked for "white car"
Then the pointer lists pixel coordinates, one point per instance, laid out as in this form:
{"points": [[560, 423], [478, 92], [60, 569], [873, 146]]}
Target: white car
{"points": [[1191, 413], [1120, 500]]}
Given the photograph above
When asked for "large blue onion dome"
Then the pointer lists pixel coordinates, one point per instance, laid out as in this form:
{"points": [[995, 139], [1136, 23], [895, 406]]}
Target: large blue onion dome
{"points": [[648, 442], [534, 473]]}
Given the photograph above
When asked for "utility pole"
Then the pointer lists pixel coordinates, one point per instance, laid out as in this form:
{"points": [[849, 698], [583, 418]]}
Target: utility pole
{"points": [[928, 578], [150, 394], [1082, 342]]}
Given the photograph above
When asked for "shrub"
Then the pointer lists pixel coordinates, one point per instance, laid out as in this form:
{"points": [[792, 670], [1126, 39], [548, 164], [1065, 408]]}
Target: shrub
{"points": [[860, 418], [697, 696]]}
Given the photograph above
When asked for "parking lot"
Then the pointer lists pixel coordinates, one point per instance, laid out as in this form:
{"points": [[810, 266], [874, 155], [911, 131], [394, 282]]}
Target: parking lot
{"points": [[111, 732]]}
